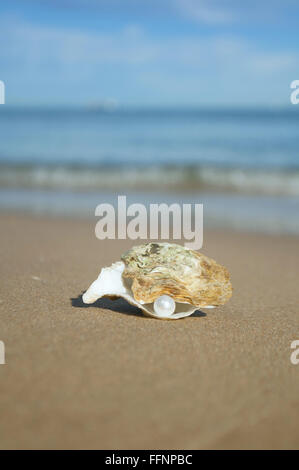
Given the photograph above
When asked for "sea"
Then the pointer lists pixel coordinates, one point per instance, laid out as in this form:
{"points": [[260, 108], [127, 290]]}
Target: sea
{"points": [[242, 164]]}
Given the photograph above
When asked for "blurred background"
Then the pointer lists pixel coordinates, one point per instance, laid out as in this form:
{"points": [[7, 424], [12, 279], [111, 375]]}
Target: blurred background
{"points": [[180, 100]]}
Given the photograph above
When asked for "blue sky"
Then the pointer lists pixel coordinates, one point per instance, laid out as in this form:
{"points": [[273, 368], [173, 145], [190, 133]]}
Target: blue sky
{"points": [[149, 52]]}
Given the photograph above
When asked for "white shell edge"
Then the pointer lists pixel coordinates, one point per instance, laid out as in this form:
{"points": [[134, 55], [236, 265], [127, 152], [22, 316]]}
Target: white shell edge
{"points": [[110, 282]]}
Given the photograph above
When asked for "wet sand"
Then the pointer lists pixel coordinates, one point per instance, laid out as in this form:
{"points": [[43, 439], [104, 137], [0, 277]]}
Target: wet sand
{"points": [[106, 377]]}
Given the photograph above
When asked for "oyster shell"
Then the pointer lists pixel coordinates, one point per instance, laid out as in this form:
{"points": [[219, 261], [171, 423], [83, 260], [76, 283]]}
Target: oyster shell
{"points": [[149, 271]]}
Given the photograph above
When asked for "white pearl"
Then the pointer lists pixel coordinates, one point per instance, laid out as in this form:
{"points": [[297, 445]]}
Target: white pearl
{"points": [[164, 306]]}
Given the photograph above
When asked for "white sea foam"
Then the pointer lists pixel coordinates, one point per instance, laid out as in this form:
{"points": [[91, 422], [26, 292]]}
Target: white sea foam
{"points": [[247, 181]]}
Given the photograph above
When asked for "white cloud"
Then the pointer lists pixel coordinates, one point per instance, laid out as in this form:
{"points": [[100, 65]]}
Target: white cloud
{"points": [[204, 11], [131, 45], [134, 66]]}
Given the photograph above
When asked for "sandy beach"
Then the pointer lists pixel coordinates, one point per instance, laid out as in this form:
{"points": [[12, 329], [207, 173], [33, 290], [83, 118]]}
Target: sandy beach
{"points": [[106, 377]]}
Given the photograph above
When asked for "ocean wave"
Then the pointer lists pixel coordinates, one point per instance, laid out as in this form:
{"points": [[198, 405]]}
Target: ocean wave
{"points": [[191, 178]]}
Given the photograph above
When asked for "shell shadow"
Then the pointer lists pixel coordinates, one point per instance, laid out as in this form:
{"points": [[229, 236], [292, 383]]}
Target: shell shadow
{"points": [[119, 305]]}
